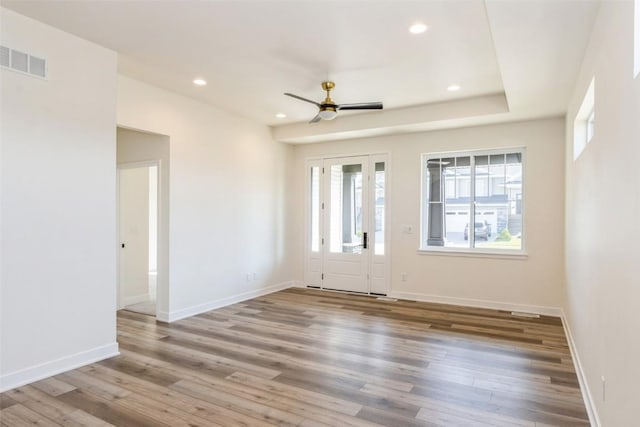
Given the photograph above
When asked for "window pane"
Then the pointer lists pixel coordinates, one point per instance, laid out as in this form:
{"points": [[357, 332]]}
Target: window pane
{"points": [[463, 178], [590, 125], [434, 206], [315, 208], [498, 218], [434, 172], [345, 222], [497, 205], [379, 208], [456, 196]]}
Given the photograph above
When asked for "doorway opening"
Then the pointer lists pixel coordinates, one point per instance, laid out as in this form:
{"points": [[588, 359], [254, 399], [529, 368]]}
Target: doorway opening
{"points": [[143, 223], [138, 230]]}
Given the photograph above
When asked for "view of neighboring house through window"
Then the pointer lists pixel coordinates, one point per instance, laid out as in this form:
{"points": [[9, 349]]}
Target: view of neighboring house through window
{"points": [[473, 201]]}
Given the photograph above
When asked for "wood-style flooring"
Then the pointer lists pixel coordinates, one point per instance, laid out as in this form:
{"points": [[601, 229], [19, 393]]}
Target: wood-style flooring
{"points": [[315, 358]]}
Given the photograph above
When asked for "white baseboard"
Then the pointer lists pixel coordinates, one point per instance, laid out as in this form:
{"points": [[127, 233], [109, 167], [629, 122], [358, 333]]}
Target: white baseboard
{"points": [[298, 284], [222, 302], [478, 303], [582, 379], [134, 300], [55, 367], [162, 316]]}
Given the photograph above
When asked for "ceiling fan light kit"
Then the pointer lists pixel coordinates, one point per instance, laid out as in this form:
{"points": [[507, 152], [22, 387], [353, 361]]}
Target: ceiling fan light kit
{"points": [[328, 110], [328, 114]]}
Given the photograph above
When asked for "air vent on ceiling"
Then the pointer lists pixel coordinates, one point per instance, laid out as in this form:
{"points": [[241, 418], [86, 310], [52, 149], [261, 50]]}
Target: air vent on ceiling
{"points": [[22, 62]]}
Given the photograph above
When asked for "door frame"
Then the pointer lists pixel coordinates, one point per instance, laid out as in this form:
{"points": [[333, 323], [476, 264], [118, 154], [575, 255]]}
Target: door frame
{"points": [[160, 236], [319, 161]]}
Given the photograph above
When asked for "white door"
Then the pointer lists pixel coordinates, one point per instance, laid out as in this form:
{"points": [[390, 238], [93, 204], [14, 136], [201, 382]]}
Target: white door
{"points": [[133, 206], [346, 224], [347, 200]]}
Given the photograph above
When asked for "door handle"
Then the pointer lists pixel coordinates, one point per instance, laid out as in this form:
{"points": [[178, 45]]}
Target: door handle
{"points": [[364, 240]]}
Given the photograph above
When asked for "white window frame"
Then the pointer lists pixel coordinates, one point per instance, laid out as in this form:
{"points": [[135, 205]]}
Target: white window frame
{"points": [[590, 125], [584, 126], [470, 251], [636, 39]]}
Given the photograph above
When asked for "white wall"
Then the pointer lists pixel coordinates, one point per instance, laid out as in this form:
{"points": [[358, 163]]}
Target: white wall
{"points": [[58, 205], [229, 209], [135, 147], [602, 222], [535, 281]]}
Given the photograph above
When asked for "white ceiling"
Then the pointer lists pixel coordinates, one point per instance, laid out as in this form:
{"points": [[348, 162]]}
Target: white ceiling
{"points": [[250, 52]]}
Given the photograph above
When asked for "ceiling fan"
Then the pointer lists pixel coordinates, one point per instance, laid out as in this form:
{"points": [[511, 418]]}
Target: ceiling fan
{"points": [[328, 110]]}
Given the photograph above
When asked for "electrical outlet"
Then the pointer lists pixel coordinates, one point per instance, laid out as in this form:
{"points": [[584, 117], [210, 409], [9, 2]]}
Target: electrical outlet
{"points": [[604, 387], [407, 229], [255, 276], [248, 277], [403, 276]]}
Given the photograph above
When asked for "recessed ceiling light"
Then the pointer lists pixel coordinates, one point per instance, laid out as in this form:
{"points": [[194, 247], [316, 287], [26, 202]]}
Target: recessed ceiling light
{"points": [[453, 88], [281, 115], [418, 28], [199, 82]]}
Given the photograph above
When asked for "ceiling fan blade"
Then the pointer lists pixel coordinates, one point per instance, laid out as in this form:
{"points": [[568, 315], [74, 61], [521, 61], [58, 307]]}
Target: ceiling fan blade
{"points": [[361, 106], [316, 119], [303, 99]]}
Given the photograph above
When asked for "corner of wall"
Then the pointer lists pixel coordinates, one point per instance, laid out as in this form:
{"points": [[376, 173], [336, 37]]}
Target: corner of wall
{"points": [[589, 403]]}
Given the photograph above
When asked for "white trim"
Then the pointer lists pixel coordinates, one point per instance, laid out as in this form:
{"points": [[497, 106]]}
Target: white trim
{"points": [[219, 303], [135, 300], [162, 316], [478, 253], [582, 378], [140, 164], [478, 303], [298, 284], [581, 122], [636, 39], [339, 156], [58, 366]]}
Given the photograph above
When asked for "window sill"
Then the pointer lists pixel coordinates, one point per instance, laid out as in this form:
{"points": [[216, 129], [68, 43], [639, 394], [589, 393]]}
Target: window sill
{"points": [[515, 255]]}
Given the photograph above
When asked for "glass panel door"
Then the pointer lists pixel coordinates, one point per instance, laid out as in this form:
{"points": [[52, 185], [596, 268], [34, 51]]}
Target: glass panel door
{"points": [[346, 235], [346, 252]]}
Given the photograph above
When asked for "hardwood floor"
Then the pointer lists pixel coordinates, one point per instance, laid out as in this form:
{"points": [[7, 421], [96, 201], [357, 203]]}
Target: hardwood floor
{"points": [[313, 358]]}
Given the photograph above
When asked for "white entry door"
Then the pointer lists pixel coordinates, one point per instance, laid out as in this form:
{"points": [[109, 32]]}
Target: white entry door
{"points": [[347, 224], [346, 234]]}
